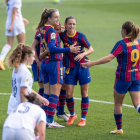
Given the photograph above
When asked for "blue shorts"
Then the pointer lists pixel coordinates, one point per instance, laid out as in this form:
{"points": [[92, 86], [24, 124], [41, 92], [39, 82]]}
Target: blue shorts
{"points": [[52, 72], [72, 75], [36, 73], [122, 86]]}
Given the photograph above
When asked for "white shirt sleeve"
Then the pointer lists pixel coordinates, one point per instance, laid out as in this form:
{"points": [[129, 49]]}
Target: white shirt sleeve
{"points": [[25, 78], [42, 116], [17, 4]]}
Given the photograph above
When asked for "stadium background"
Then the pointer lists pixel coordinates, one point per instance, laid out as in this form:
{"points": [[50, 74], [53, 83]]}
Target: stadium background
{"points": [[100, 21]]}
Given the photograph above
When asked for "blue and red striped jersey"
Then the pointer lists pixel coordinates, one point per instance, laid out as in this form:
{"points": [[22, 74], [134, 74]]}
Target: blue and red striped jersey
{"points": [[80, 40], [128, 58], [49, 35], [37, 48]]}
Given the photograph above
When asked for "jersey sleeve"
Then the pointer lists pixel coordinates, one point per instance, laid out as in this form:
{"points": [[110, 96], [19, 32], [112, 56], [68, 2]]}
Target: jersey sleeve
{"points": [[51, 36], [25, 78], [41, 117], [17, 3], [85, 42], [117, 49], [37, 36]]}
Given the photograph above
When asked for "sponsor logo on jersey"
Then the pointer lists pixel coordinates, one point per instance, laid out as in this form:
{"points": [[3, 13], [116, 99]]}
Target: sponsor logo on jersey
{"points": [[52, 35]]}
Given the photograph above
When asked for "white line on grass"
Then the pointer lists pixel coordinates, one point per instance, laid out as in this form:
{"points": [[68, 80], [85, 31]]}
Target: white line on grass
{"points": [[97, 101]]}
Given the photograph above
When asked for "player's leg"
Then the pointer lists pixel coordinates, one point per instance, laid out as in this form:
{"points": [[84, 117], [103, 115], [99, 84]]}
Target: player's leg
{"points": [[5, 50], [21, 38], [70, 103], [84, 80], [134, 91], [84, 104]]}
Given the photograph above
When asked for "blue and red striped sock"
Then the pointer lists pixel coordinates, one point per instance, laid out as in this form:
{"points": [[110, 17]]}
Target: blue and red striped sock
{"points": [[62, 101], [41, 91], [51, 107], [46, 96], [118, 119], [70, 105], [84, 107]]}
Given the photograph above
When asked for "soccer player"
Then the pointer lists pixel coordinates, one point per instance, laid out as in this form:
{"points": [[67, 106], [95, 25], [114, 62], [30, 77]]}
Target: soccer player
{"points": [[36, 64], [51, 66], [127, 52], [74, 70], [14, 27], [21, 123], [62, 97], [22, 80]]}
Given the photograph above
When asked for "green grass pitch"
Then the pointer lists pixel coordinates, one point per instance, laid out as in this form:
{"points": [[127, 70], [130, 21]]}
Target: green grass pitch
{"points": [[100, 21]]}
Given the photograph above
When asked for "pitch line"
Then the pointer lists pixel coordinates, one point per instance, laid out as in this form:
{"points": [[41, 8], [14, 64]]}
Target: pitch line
{"points": [[97, 101]]}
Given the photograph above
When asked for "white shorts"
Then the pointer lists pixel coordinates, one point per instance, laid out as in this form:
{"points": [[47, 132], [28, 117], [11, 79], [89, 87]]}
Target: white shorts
{"points": [[18, 29], [17, 134]]}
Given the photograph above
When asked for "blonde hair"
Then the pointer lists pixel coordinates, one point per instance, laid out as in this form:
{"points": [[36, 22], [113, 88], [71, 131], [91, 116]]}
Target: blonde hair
{"points": [[18, 55]]}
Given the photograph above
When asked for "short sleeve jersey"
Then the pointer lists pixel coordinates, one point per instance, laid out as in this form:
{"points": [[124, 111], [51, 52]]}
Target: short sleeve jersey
{"points": [[21, 78], [80, 40], [18, 19], [49, 35], [128, 57], [25, 115]]}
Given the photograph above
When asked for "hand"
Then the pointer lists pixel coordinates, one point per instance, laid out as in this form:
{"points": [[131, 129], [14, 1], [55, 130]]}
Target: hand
{"points": [[25, 21], [44, 101], [79, 57], [74, 49], [38, 63], [10, 29], [88, 64]]}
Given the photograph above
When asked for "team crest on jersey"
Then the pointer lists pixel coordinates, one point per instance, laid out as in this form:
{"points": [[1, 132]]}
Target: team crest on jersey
{"points": [[27, 80], [52, 35]]}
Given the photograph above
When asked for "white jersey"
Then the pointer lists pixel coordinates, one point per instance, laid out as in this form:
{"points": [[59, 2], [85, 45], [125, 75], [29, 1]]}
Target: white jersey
{"points": [[20, 78], [18, 19], [25, 115]]}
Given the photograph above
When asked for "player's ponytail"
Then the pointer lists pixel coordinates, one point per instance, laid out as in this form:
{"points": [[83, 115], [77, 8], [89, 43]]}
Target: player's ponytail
{"points": [[17, 56], [44, 17], [6, 1], [132, 30], [32, 98]]}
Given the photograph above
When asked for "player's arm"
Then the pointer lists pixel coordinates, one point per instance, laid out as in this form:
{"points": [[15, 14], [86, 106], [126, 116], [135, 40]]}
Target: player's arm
{"points": [[13, 19], [23, 93], [25, 21], [41, 129], [85, 53], [42, 100], [43, 53], [103, 60], [34, 44]]}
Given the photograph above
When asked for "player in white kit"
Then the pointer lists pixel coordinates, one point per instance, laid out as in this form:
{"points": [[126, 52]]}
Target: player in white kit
{"points": [[22, 80], [21, 123], [14, 27]]}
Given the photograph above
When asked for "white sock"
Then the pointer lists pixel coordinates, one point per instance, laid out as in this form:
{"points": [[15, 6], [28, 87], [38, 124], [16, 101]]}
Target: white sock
{"points": [[4, 52], [138, 108]]}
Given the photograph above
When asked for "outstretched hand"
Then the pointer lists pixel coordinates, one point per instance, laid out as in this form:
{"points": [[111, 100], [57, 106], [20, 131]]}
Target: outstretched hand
{"points": [[88, 64], [74, 49], [25, 21], [44, 101]]}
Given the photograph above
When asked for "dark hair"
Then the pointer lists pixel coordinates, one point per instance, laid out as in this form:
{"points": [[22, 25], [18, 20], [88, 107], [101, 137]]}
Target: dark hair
{"points": [[18, 55], [69, 17], [44, 17], [131, 30], [32, 98]]}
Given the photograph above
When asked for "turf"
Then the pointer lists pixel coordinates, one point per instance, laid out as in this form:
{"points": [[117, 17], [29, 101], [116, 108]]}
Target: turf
{"points": [[100, 21]]}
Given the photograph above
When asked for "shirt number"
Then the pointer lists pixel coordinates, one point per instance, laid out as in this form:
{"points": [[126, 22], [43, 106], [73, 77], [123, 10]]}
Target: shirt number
{"points": [[134, 57]]}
